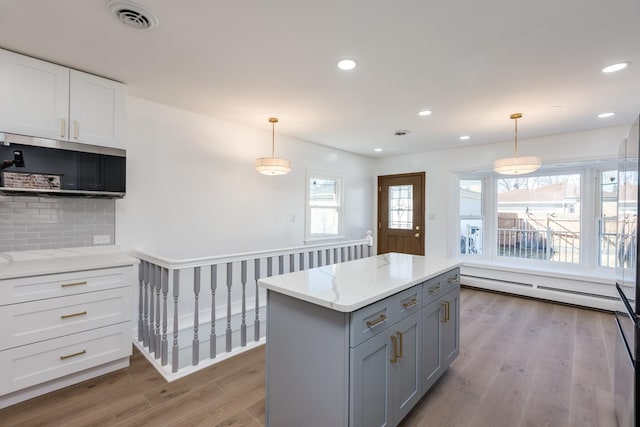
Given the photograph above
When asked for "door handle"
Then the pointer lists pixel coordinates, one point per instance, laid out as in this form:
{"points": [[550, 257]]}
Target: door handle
{"points": [[444, 306], [399, 334], [417, 234]]}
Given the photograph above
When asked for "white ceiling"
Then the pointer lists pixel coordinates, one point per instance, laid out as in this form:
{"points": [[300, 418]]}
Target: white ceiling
{"points": [[473, 62]]}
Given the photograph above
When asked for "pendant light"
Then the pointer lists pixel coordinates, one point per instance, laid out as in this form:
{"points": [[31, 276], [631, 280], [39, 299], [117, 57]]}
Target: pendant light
{"points": [[273, 165], [516, 165]]}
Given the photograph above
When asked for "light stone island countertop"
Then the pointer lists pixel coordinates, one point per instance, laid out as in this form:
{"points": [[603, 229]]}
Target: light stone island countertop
{"points": [[51, 261], [351, 285]]}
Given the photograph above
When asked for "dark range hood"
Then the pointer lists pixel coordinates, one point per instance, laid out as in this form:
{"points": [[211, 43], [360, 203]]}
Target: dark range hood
{"points": [[38, 166]]}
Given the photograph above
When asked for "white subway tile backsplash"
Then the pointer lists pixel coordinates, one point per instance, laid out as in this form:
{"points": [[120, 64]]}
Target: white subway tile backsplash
{"points": [[28, 223]]}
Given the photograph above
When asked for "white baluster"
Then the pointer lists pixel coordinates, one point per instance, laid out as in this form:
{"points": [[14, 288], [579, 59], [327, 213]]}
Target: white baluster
{"points": [[165, 291]]}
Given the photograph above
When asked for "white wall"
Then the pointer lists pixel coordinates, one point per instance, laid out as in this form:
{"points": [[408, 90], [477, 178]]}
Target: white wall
{"points": [[192, 189], [440, 168]]}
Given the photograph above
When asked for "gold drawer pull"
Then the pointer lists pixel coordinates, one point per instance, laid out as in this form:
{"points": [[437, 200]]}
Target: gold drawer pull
{"points": [[400, 342], [413, 302], [68, 356], [65, 285], [453, 279], [444, 305], [395, 349], [434, 290], [66, 316], [371, 323]]}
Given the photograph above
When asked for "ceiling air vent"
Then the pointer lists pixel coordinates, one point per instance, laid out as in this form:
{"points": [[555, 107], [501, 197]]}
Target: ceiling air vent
{"points": [[132, 14]]}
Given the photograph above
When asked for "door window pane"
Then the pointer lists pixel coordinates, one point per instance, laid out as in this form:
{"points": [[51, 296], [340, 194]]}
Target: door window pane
{"points": [[401, 207]]}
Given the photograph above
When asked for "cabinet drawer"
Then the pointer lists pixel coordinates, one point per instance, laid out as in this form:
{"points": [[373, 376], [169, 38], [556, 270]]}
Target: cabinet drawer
{"points": [[371, 320], [434, 288], [51, 318], [36, 363], [58, 285], [408, 302]]}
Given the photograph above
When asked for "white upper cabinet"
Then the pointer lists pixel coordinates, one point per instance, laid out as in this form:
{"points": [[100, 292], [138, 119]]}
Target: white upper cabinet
{"points": [[35, 97], [50, 101], [96, 110]]}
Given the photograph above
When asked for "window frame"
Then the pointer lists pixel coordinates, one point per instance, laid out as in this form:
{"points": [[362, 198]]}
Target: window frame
{"points": [[589, 214], [481, 217], [314, 174]]}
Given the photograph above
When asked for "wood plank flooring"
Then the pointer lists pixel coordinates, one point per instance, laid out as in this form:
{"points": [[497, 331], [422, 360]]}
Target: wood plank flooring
{"points": [[522, 363]]}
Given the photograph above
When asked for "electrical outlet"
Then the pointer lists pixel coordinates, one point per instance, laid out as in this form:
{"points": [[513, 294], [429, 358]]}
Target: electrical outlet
{"points": [[101, 239]]}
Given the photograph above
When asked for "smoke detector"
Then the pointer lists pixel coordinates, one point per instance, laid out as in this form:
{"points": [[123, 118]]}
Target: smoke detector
{"points": [[132, 14]]}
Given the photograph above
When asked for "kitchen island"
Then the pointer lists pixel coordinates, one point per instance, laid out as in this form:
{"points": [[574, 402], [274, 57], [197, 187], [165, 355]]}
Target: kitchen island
{"points": [[359, 343]]}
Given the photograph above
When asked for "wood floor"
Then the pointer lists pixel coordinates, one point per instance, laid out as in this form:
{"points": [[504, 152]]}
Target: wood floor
{"points": [[522, 363]]}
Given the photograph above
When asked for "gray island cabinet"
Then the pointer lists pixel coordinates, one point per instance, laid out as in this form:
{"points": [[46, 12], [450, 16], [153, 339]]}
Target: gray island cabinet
{"points": [[359, 343]]}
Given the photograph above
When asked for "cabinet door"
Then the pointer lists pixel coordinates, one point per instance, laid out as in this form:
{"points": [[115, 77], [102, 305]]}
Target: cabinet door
{"points": [[432, 364], [35, 97], [407, 369], [451, 328], [97, 110], [370, 378]]}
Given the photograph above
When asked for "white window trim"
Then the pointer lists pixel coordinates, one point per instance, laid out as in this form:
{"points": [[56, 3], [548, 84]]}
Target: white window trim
{"points": [[308, 237], [588, 223]]}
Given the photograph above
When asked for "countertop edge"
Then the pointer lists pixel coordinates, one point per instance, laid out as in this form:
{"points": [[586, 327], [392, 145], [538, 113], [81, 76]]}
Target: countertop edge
{"points": [[349, 308]]}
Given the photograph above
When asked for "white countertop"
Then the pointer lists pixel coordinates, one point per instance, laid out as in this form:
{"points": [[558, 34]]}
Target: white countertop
{"points": [[51, 261], [351, 285]]}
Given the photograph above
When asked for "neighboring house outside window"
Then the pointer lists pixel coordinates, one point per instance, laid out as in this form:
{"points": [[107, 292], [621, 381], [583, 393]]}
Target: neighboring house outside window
{"points": [[324, 206]]}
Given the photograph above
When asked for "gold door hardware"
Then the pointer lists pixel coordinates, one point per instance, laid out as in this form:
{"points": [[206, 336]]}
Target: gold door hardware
{"points": [[371, 323], [66, 316], [75, 129], [399, 334], [453, 279], [444, 306], [434, 290], [65, 285], [63, 125], [68, 356], [417, 234], [417, 228], [408, 304], [394, 341]]}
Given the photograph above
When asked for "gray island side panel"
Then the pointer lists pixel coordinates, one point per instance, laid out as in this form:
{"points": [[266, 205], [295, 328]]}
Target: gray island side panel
{"points": [[307, 364]]}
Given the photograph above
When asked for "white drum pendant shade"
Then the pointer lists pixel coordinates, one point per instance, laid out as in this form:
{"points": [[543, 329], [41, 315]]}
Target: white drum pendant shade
{"points": [[516, 165], [273, 165]]}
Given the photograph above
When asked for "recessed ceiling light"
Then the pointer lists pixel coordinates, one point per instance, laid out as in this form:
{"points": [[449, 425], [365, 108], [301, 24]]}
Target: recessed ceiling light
{"points": [[615, 67], [377, 150], [554, 107], [604, 115], [347, 64], [464, 137], [424, 113]]}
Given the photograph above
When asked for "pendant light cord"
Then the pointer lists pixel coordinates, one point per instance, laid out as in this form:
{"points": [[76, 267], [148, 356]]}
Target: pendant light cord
{"points": [[516, 137]]}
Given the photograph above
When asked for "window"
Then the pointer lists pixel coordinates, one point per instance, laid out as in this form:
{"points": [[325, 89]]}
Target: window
{"points": [[324, 202], [606, 217], [401, 207], [471, 219], [539, 217]]}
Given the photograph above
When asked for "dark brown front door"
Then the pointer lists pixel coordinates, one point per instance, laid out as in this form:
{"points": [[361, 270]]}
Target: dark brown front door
{"points": [[401, 213]]}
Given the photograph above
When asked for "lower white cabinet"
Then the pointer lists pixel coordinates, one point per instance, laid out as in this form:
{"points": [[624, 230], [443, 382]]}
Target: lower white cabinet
{"points": [[63, 328]]}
